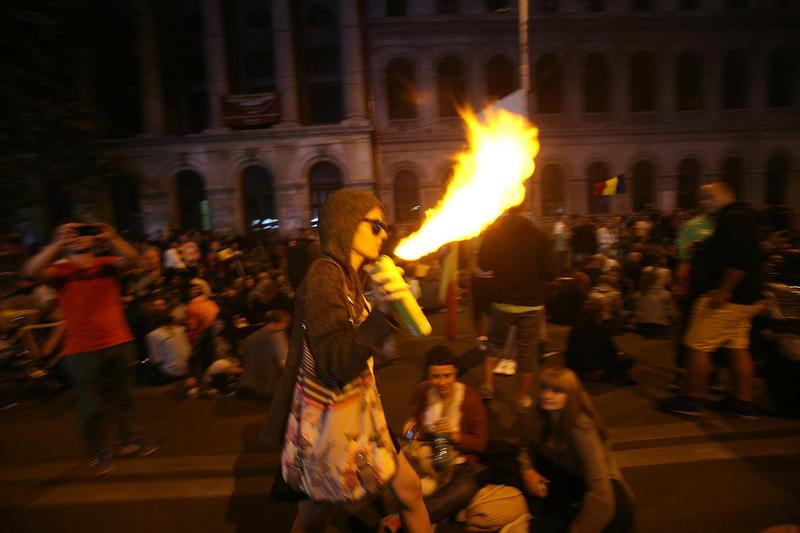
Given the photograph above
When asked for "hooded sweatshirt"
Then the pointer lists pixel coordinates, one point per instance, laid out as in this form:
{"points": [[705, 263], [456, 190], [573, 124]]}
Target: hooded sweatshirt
{"points": [[340, 349]]}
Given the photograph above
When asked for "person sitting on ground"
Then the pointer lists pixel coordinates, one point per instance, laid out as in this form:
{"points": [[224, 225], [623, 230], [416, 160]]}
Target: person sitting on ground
{"points": [[571, 478], [445, 406], [169, 349], [654, 307], [591, 351], [265, 353], [201, 313], [610, 300]]}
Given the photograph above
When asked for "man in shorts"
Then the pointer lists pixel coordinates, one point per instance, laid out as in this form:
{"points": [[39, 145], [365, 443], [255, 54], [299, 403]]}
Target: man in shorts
{"points": [[521, 256], [726, 271]]}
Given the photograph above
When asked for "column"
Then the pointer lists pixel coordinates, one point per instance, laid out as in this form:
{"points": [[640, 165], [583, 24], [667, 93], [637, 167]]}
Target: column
{"points": [[216, 67], [352, 56], [149, 65], [428, 103], [285, 63]]}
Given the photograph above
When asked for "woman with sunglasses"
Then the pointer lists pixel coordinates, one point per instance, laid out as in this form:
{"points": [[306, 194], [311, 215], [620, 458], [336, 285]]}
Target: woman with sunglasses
{"points": [[572, 480], [336, 332]]}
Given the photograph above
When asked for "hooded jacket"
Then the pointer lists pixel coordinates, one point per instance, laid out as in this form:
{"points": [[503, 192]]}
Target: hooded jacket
{"points": [[340, 349]]}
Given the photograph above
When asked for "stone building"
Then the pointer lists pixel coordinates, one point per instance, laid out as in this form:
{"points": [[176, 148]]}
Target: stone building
{"points": [[365, 94]]}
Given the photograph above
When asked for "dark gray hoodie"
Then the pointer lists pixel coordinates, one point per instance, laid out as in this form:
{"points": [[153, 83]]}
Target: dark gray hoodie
{"points": [[323, 304]]}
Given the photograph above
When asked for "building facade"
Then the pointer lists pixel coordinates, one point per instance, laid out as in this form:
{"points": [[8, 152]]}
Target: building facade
{"points": [[668, 92]]}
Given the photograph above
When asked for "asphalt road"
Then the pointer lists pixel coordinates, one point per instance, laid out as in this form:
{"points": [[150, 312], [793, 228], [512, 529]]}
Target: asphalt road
{"points": [[212, 473]]}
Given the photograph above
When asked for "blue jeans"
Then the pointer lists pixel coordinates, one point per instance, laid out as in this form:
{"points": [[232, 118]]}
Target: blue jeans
{"points": [[451, 498], [104, 383]]}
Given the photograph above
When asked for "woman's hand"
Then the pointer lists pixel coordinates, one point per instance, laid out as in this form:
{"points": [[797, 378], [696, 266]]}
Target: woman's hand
{"points": [[410, 425], [389, 286], [535, 483]]}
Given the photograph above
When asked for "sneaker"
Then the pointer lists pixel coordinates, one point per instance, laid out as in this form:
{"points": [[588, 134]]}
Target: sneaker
{"points": [[101, 464], [523, 404], [486, 392], [682, 405], [737, 407], [511, 367], [137, 447]]}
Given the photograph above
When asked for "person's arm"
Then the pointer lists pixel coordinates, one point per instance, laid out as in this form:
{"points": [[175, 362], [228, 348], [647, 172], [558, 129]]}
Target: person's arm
{"points": [[340, 350], [487, 253], [736, 237], [475, 437], [130, 257], [598, 505], [36, 266]]}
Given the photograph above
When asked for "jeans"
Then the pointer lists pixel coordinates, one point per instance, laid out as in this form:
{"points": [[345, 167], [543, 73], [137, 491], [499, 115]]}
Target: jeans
{"points": [[104, 383], [448, 500]]}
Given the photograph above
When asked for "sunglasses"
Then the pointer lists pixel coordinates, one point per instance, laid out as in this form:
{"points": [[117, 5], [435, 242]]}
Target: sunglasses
{"points": [[377, 225]]}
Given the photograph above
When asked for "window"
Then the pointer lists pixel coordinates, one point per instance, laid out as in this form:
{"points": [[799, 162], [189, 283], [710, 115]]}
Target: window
{"points": [[498, 6], [401, 91], [596, 5], [407, 206], [597, 172], [644, 185], [644, 89], [781, 78], [324, 179], [548, 84], [553, 183], [396, 8], [735, 80], [258, 194], [501, 77], [690, 82], [736, 4], [319, 80], [595, 84], [452, 86], [734, 174], [689, 5], [126, 204], [688, 183], [642, 5], [192, 202], [447, 7], [547, 6], [777, 180]]}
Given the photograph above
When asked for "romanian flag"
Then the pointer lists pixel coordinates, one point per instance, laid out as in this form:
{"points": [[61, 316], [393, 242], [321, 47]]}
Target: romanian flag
{"points": [[611, 186]]}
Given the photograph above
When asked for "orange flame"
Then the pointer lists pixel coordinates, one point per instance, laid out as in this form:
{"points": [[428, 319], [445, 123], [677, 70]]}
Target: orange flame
{"points": [[488, 179]]}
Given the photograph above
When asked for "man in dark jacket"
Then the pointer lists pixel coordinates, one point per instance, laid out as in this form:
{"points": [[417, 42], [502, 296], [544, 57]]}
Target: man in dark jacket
{"points": [[726, 274], [521, 256]]}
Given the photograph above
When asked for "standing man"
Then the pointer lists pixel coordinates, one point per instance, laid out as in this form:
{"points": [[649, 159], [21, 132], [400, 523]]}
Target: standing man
{"points": [[98, 345], [726, 271], [521, 256]]}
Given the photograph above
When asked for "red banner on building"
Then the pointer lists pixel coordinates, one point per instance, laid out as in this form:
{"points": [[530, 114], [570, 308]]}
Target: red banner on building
{"points": [[247, 110]]}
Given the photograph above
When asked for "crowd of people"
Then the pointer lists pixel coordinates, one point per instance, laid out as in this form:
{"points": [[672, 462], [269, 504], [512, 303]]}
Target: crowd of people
{"points": [[233, 315]]}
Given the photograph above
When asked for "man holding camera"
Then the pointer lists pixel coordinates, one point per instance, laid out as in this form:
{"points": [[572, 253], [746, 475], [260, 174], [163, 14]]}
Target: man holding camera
{"points": [[98, 344]]}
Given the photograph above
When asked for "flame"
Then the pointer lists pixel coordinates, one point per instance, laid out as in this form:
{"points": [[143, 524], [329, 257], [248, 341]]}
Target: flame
{"points": [[488, 179]]}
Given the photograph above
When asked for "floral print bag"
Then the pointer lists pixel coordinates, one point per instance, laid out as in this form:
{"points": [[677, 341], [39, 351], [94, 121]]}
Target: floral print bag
{"points": [[337, 446]]}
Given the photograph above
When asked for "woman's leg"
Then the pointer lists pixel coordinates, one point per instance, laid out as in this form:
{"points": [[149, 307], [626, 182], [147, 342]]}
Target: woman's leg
{"points": [[408, 491], [312, 517]]}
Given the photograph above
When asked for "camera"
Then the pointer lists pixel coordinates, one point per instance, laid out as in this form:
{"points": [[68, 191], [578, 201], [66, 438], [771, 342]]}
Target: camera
{"points": [[88, 230]]}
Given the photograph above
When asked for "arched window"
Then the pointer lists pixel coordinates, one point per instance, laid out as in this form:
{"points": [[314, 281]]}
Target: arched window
{"points": [[127, 208], [249, 47], [193, 212], [319, 54], [644, 185], [553, 185], [781, 78], [258, 194], [401, 90], [447, 7], [595, 84], [597, 172], [644, 89], [596, 5], [736, 4], [734, 174], [689, 89], [452, 86], [735, 80], [688, 183], [501, 77], [396, 8], [691, 5], [548, 84], [407, 206], [642, 5], [777, 180], [323, 179]]}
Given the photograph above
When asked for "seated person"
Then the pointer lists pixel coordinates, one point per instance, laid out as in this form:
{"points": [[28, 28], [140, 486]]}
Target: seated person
{"points": [[265, 352], [571, 478], [168, 348], [653, 307], [445, 406], [591, 351], [224, 374], [609, 298]]}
